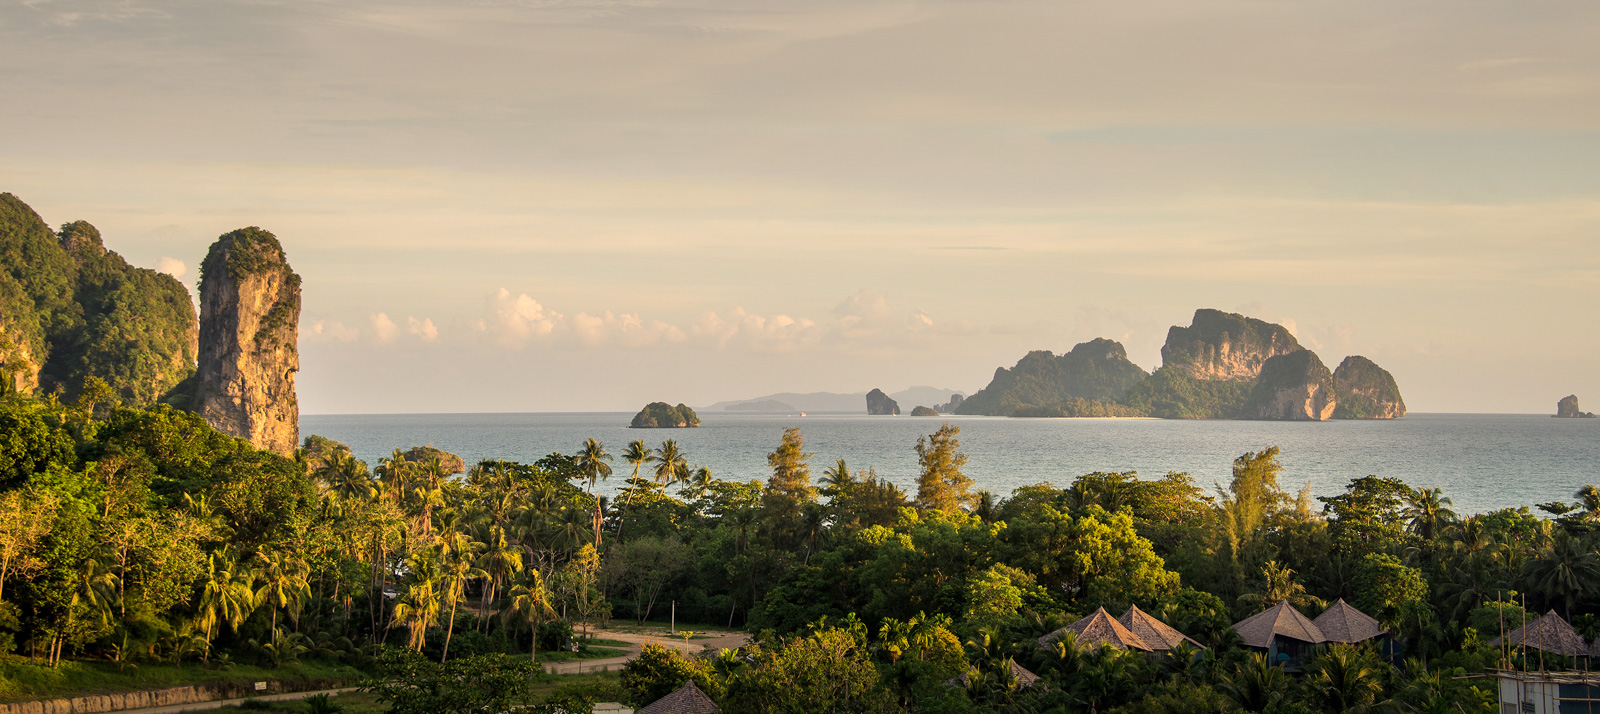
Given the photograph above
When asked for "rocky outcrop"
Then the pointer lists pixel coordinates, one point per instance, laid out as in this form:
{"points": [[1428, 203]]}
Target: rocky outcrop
{"points": [[1096, 371], [1293, 387], [1366, 391], [1567, 408], [1224, 345], [951, 406], [879, 404], [921, 411], [249, 334], [661, 415]]}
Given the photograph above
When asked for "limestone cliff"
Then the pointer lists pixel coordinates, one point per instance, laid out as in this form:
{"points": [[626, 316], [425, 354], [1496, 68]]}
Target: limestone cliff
{"points": [[1224, 345], [1567, 408], [1292, 387], [661, 415], [879, 404], [1366, 391], [249, 332], [1096, 371]]}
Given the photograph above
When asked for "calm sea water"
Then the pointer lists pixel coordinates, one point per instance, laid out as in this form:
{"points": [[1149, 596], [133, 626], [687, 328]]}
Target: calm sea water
{"points": [[1482, 462]]}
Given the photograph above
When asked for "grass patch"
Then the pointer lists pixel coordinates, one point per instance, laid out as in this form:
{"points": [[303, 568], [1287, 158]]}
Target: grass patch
{"points": [[352, 702], [20, 680]]}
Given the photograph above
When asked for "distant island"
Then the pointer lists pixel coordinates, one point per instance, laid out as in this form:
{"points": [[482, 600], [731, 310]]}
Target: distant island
{"points": [[921, 411], [1222, 366], [661, 415], [1567, 408], [880, 404], [835, 402]]}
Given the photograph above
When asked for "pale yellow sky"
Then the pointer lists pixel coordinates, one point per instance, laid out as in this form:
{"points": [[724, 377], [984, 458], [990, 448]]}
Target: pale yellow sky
{"points": [[541, 206]]}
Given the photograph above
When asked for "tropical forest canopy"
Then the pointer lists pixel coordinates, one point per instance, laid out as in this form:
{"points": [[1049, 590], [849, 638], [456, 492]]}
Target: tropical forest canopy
{"points": [[142, 535]]}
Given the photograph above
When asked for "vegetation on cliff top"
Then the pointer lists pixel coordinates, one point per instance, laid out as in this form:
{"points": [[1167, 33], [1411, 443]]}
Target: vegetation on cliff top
{"points": [[661, 415], [86, 313], [1097, 371], [1192, 348], [1365, 390]]}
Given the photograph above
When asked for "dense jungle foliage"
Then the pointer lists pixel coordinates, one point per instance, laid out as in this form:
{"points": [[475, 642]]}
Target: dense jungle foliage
{"points": [[135, 535], [70, 310]]}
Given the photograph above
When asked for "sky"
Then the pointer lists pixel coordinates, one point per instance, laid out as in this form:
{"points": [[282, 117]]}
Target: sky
{"points": [[583, 206]]}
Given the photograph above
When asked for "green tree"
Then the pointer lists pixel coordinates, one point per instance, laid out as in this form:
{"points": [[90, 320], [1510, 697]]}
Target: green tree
{"points": [[595, 465], [529, 603], [941, 486]]}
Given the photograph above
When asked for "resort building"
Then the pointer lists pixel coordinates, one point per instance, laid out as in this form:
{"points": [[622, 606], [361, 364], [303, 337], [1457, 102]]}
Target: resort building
{"points": [[1286, 635], [1099, 629], [1157, 634], [687, 699]]}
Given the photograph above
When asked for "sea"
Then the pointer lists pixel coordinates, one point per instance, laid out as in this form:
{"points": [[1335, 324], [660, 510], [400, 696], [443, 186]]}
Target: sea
{"points": [[1483, 462]]}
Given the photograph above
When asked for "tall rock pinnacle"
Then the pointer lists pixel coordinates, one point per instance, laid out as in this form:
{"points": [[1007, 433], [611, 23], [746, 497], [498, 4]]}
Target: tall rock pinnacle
{"points": [[249, 330]]}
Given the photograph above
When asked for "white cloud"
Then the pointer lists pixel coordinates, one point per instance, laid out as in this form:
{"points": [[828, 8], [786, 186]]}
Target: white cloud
{"points": [[423, 328], [335, 330], [383, 329], [625, 330], [758, 333], [172, 266], [516, 320]]}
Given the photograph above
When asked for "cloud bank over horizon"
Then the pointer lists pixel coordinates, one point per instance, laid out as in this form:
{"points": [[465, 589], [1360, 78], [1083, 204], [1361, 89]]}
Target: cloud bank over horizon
{"points": [[583, 205]]}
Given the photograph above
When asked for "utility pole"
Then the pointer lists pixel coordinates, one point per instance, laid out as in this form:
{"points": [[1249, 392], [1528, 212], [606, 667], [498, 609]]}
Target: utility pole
{"points": [[674, 617]]}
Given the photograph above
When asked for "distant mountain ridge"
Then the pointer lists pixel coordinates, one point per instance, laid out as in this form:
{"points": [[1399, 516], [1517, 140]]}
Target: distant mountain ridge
{"points": [[824, 402]]}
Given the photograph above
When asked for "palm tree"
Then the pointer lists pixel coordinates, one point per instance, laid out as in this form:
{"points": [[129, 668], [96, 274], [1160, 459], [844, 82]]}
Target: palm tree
{"points": [[1429, 513], [836, 478], [1256, 684], [924, 631], [346, 477], [1589, 500], [671, 466], [283, 584], [419, 608], [431, 489], [226, 597], [1564, 570], [698, 483], [529, 603], [458, 569], [638, 455], [1346, 679], [501, 559], [1279, 585], [595, 465]]}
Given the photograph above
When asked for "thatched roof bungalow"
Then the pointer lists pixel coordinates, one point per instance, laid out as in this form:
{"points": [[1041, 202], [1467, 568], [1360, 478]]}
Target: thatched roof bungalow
{"points": [[1283, 632], [1343, 623], [1024, 678], [1550, 633], [687, 699], [1159, 635], [1099, 629]]}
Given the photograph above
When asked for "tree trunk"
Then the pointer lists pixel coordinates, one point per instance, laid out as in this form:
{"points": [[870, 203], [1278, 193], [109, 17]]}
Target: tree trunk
{"points": [[448, 631]]}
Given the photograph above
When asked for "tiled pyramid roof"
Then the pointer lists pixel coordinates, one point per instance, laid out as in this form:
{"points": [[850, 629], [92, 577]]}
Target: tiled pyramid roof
{"points": [[1099, 629], [1280, 620], [1159, 635]]}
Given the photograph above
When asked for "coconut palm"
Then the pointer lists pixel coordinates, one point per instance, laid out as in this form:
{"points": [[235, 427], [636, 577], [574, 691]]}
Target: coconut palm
{"points": [[836, 478], [595, 465], [347, 478], [1346, 679], [1428, 514], [1563, 570], [924, 631], [670, 464], [459, 566], [226, 596], [1278, 586], [419, 608], [283, 584], [501, 559], [1256, 684], [529, 603]]}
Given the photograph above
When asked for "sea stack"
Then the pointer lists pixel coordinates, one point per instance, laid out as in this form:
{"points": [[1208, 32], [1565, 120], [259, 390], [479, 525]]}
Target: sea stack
{"points": [[249, 331], [1567, 408], [879, 404], [1293, 387]]}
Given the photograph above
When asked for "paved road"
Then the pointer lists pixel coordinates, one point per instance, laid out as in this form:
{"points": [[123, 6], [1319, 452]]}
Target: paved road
{"points": [[636, 643], [220, 703]]}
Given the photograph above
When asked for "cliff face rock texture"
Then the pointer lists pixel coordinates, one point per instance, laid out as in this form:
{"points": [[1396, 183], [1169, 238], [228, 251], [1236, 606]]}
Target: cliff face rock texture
{"points": [[1224, 345], [879, 404], [1094, 371], [71, 310], [1567, 408], [1293, 387], [951, 406], [249, 332], [1366, 391]]}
